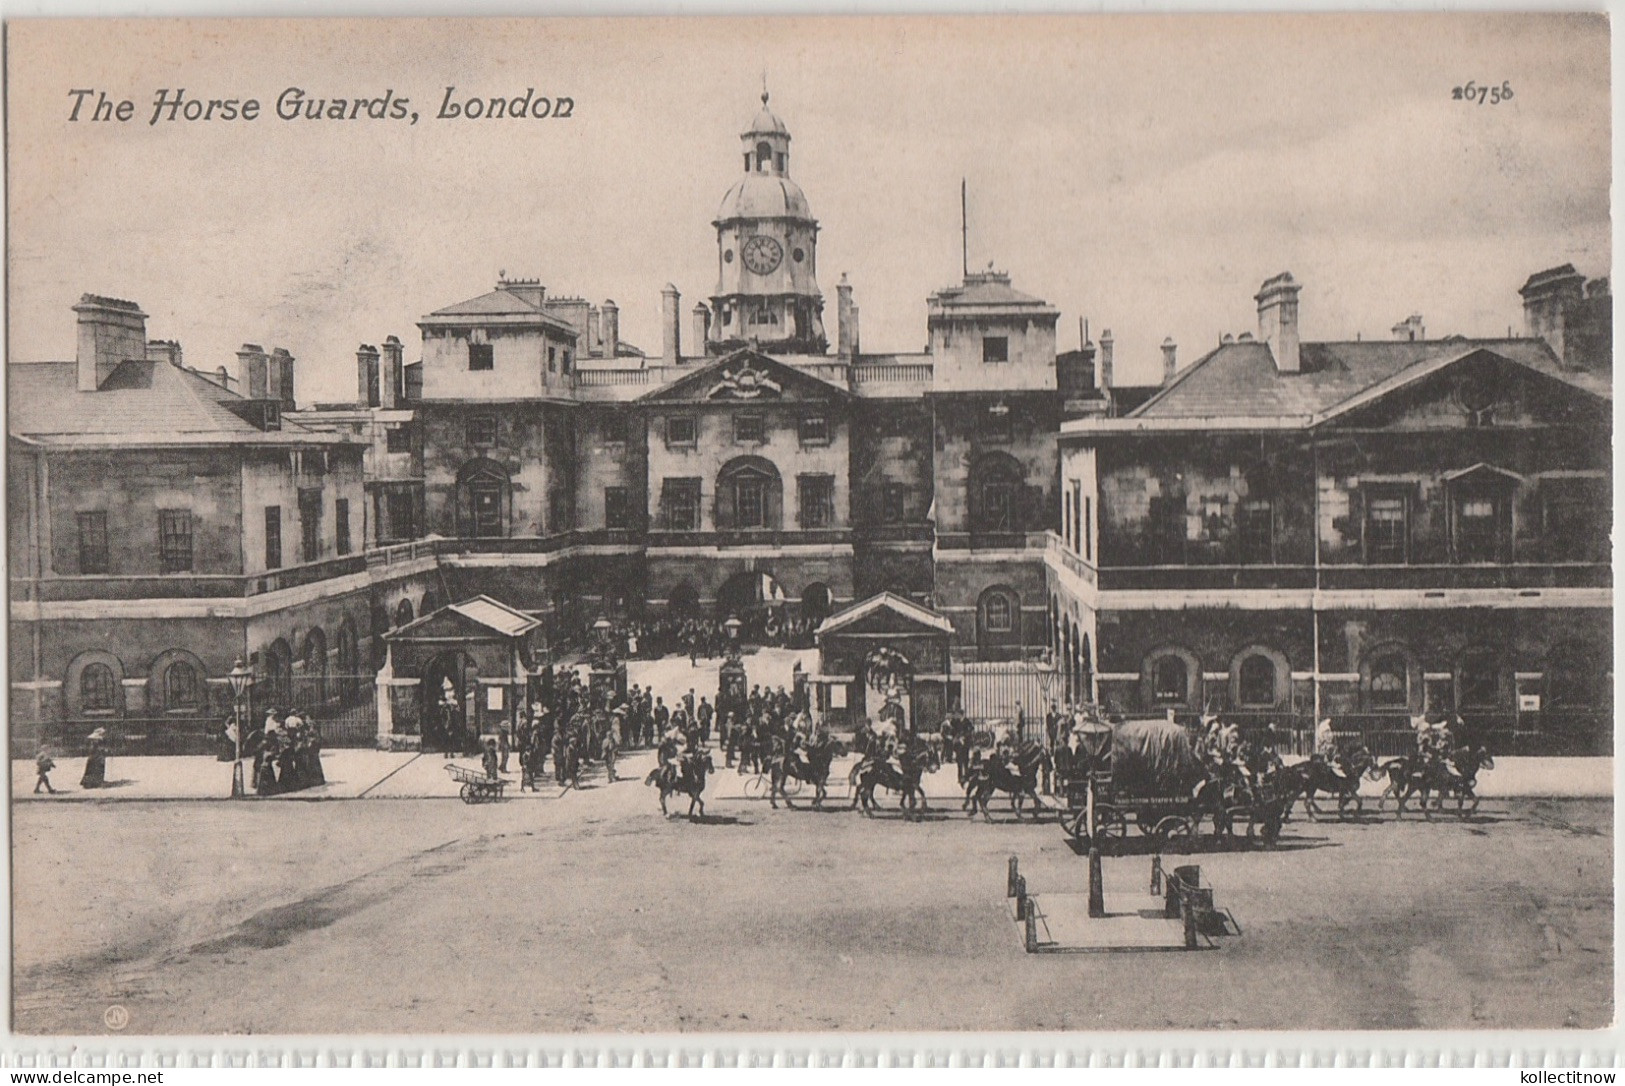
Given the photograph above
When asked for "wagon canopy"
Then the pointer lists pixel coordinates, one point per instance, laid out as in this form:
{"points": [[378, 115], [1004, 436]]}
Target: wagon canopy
{"points": [[1154, 758]]}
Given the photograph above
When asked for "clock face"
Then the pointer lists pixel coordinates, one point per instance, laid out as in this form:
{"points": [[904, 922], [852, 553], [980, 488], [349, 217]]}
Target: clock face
{"points": [[762, 254]]}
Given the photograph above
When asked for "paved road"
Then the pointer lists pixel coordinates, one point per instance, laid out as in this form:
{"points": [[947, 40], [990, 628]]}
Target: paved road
{"points": [[589, 912]]}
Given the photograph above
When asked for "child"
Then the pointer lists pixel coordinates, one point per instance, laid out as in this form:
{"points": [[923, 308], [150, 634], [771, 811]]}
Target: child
{"points": [[43, 764], [489, 759]]}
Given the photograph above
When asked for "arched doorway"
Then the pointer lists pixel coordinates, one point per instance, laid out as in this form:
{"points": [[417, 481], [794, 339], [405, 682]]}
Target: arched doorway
{"points": [[815, 602], [450, 702], [890, 675], [755, 598], [403, 613], [683, 602]]}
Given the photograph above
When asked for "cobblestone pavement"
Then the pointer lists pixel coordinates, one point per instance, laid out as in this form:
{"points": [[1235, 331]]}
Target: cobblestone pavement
{"points": [[589, 912]]}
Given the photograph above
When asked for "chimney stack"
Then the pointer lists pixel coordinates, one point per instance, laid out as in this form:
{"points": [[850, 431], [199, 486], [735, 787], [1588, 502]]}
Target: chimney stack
{"points": [[253, 366], [611, 328], [702, 326], [393, 375], [366, 370], [282, 374], [164, 350], [1410, 329], [110, 331], [1278, 320], [594, 338], [1106, 341], [1169, 349], [846, 321], [527, 290], [671, 336]]}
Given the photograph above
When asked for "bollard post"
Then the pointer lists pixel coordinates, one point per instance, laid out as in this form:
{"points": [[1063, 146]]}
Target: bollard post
{"points": [[1010, 879], [1156, 875], [1021, 896], [1030, 937], [1188, 915], [1097, 888]]}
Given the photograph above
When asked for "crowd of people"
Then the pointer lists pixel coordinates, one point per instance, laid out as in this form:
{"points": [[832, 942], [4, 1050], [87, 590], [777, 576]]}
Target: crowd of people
{"points": [[286, 748], [698, 637]]}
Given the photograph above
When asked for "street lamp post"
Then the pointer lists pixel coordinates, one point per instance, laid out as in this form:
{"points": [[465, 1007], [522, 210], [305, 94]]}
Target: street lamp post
{"points": [[242, 678], [733, 626]]}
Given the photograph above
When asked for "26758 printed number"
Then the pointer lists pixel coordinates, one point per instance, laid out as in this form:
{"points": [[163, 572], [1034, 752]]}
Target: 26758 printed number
{"points": [[1473, 92]]}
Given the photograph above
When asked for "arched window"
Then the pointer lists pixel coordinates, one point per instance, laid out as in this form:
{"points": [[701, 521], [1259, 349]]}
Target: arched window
{"points": [[315, 659], [764, 156], [1478, 684], [277, 688], [1390, 685], [98, 689], [1256, 682], [1170, 682], [403, 613], [815, 601], [997, 494], [998, 623], [750, 495], [182, 690]]}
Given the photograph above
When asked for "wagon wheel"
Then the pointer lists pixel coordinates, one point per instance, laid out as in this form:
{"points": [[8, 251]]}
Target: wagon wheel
{"points": [[1349, 805], [756, 787], [1175, 833], [467, 792], [1110, 825], [1076, 823]]}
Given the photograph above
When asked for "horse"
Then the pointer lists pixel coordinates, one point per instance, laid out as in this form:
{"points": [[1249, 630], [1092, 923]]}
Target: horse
{"points": [[913, 763], [688, 777], [1456, 775], [1315, 776], [812, 769], [1020, 780]]}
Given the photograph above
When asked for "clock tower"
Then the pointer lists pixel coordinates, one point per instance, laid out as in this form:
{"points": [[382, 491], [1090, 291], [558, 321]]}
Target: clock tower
{"points": [[767, 253]]}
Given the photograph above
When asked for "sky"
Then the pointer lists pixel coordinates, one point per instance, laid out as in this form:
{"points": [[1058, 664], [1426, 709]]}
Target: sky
{"points": [[1146, 173]]}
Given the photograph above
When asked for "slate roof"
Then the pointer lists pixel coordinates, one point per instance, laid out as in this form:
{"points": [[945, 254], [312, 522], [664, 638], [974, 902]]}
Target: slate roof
{"points": [[1239, 380], [985, 291], [482, 611], [501, 303], [140, 403]]}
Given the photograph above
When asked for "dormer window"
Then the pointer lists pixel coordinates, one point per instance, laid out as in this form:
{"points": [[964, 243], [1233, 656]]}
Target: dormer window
{"points": [[273, 416]]}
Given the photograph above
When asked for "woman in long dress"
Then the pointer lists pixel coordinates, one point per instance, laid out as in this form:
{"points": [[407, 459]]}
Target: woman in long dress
{"points": [[96, 761]]}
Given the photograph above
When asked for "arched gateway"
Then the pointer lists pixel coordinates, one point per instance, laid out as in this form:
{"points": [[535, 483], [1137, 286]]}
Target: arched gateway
{"points": [[884, 651]]}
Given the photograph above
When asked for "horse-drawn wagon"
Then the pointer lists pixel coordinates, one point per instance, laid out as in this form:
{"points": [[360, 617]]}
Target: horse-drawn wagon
{"points": [[1149, 772]]}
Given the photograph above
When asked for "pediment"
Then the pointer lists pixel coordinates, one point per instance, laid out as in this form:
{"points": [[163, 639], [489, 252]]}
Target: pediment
{"points": [[886, 614], [747, 377], [1476, 389]]}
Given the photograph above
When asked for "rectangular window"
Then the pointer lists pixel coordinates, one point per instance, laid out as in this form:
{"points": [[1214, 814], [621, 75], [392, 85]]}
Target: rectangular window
{"points": [[814, 430], [1088, 529], [750, 503], [617, 508], [480, 356], [561, 510], [750, 429], [998, 507], [273, 537], [817, 500], [680, 498], [1478, 528], [398, 439], [1000, 618], [1387, 532], [402, 513], [175, 540], [1575, 515], [341, 523], [995, 349], [310, 523], [1255, 532], [894, 503], [680, 430], [614, 429], [564, 361], [1167, 529], [93, 542], [552, 360], [482, 430]]}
